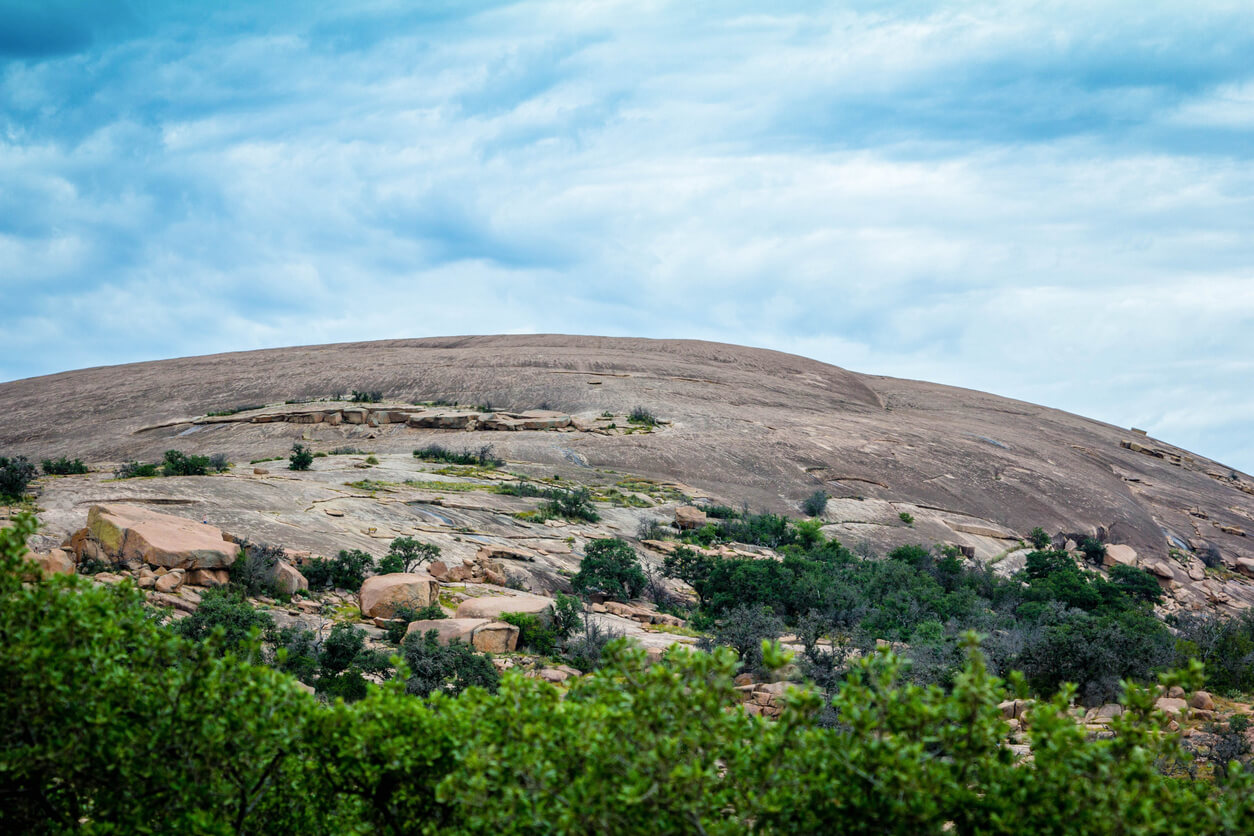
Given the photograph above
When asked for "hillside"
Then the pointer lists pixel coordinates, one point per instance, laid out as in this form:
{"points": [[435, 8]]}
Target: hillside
{"points": [[742, 426]]}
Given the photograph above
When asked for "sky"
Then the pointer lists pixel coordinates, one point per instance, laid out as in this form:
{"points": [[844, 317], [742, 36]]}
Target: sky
{"points": [[1049, 201]]}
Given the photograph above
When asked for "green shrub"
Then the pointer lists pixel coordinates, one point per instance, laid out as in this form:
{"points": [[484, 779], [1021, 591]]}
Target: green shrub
{"points": [[254, 570], [1094, 550], [447, 669], [575, 506], [743, 629], [407, 554], [1038, 538], [219, 463], [64, 467], [483, 457], [815, 504], [534, 633], [301, 458], [347, 570], [224, 612], [372, 459], [906, 518], [15, 474], [610, 567], [640, 415], [373, 396], [135, 470], [176, 463]]}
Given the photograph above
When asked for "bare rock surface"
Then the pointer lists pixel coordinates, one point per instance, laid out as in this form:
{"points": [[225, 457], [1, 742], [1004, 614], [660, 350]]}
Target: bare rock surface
{"points": [[129, 532], [904, 461]]}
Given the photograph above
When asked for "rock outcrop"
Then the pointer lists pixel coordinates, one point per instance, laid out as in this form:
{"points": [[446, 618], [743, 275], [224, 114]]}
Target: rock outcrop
{"points": [[132, 534], [382, 594]]}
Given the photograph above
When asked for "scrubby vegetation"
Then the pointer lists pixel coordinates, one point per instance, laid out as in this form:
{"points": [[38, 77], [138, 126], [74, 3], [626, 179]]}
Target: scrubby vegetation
{"points": [[406, 554], [186, 735], [610, 567], [642, 416], [63, 467], [16, 474], [301, 458], [347, 570], [372, 396], [815, 504], [483, 457], [176, 463]]}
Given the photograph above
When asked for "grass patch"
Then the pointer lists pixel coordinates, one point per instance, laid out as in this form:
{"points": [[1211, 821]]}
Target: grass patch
{"points": [[222, 413], [370, 485], [271, 459], [483, 457], [449, 487], [674, 631]]}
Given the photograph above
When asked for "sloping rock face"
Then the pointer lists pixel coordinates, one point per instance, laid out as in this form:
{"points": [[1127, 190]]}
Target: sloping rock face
{"points": [[745, 425], [128, 533], [496, 606]]}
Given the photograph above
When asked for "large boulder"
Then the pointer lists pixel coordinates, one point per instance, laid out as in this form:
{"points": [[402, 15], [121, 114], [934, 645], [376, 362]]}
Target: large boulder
{"points": [[131, 533], [382, 594], [495, 637], [1119, 555], [688, 517], [495, 606], [55, 562], [287, 579], [448, 630]]}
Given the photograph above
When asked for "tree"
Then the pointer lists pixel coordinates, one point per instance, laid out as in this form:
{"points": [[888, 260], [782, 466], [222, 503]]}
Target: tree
{"points": [[610, 566], [406, 554], [1038, 538], [301, 458], [448, 669], [15, 474], [815, 504]]}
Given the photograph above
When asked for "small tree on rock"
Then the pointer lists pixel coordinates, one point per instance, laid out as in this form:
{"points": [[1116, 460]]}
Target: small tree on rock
{"points": [[610, 566], [301, 458], [406, 554]]}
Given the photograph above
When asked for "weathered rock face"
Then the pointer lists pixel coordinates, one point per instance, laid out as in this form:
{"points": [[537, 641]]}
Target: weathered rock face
{"points": [[55, 562], [448, 630], [494, 607], [382, 594], [287, 579], [495, 637], [127, 533]]}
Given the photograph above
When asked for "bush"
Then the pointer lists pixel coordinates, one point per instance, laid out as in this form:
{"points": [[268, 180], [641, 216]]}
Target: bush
{"points": [[585, 649], [406, 554], [372, 459], [225, 612], [64, 467], [373, 396], [219, 462], [176, 463], [906, 517], [347, 571], [743, 629], [815, 504], [135, 470], [254, 570], [573, 505], [534, 633], [15, 474], [483, 457], [447, 669], [301, 458], [1038, 538], [640, 415], [610, 567], [1094, 550]]}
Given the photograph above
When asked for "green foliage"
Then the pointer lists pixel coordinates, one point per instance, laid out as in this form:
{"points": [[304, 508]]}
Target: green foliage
{"points": [[406, 554], [135, 470], [483, 457], [566, 614], [176, 463], [344, 661], [449, 669], [347, 570], [744, 629], [372, 459], [906, 517], [815, 504], [641, 415], [253, 571], [63, 467], [1094, 550], [219, 462], [223, 613], [610, 567], [373, 396], [726, 512], [534, 633], [1224, 643], [575, 505], [222, 413], [301, 458], [169, 735], [15, 474], [1038, 538]]}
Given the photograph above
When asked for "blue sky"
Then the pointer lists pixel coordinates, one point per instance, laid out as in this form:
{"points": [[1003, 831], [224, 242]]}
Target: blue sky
{"points": [[1051, 201]]}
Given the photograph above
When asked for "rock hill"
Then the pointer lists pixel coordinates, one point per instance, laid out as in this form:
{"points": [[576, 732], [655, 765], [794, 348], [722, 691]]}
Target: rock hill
{"points": [[735, 425]]}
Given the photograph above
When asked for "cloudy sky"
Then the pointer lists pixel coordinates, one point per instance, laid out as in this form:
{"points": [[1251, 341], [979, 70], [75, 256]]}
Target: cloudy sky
{"points": [[1051, 201]]}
